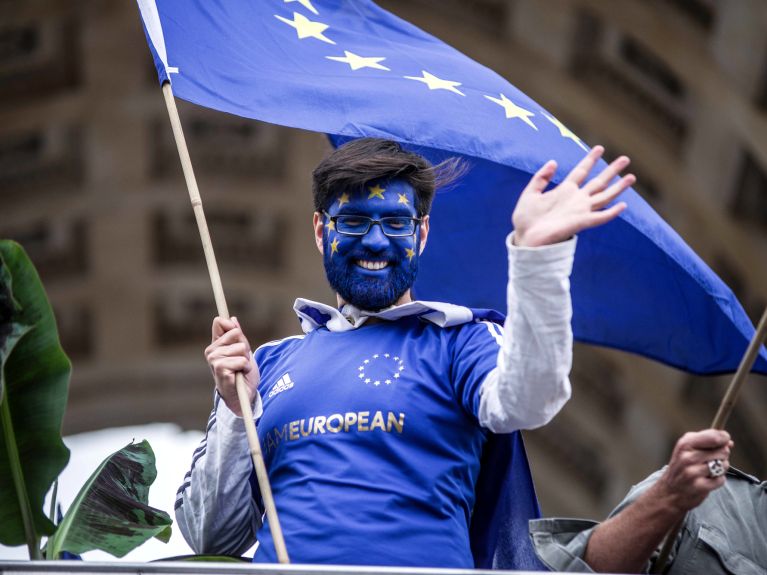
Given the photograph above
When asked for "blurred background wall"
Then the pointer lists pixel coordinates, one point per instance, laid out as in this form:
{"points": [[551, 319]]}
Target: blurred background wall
{"points": [[91, 186]]}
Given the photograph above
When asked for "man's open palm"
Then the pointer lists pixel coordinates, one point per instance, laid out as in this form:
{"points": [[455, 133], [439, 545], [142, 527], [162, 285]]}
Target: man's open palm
{"points": [[547, 218]]}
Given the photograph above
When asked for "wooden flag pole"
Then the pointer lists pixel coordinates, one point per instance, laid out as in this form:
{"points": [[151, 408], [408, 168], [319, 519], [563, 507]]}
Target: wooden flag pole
{"points": [[223, 311], [733, 391], [720, 420]]}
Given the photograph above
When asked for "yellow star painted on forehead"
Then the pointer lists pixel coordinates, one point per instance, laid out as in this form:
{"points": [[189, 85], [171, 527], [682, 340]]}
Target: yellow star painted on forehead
{"points": [[376, 192], [344, 199], [565, 132], [334, 247], [403, 199], [410, 253], [305, 28]]}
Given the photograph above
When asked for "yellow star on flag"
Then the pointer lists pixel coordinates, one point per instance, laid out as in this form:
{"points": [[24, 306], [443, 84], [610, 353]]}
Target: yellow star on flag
{"points": [[376, 192], [331, 225], [514, 111], [403, 199], [333, 247], [306, 4], [565, 132], [356, 62], [306, 28], [344, 199], [410, 253], [435, 83]]}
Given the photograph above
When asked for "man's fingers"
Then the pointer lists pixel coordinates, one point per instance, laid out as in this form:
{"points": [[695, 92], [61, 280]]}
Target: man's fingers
{"points": [[708, 483], [232, 336], [601, 199], [221, 326], [720, 453], [695, 463], [603, 216], [689, 474], [695, 449], [706, 439], [237, 349], [583, 168], [542, 178], [227, 366], [603, 179]]}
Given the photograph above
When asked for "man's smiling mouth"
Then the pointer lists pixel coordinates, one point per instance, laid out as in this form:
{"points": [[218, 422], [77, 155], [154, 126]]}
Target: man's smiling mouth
{"points": [[373, 266]]}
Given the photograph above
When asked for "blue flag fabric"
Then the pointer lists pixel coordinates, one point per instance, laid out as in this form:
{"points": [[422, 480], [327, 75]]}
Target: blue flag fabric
{"points": [[506, 502], [350, 69]]}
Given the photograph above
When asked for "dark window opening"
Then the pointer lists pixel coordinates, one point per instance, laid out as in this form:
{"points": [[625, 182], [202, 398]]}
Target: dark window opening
{"points": [[75, 326], [750, 198], [58, 250], [700, 12], [184, 320], [651, 67], [39, 60], [45, 160], [241, 238], [630, 78], [761, 97], [18, 42], [222, 145], [488, 16]]}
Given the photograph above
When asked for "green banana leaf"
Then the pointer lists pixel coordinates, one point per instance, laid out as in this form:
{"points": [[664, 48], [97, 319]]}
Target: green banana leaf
{"points": [[110, 512], [34, 380]]}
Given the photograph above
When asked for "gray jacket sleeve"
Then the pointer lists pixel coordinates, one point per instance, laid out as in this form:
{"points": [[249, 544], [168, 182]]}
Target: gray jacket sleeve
{"points": [[725, 534], [215, 506], [561, 543]]}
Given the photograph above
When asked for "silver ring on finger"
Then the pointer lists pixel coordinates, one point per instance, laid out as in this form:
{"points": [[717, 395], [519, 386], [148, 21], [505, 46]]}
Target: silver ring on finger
{"points": [[715, 468]]}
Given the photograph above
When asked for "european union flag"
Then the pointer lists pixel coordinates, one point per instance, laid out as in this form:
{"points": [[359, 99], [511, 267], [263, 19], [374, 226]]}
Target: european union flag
{"points": [[350, 69]]}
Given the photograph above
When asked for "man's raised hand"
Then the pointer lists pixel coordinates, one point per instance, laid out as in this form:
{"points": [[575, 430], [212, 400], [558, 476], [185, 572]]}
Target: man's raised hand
{"points": [[547, 218], [228, 353]]}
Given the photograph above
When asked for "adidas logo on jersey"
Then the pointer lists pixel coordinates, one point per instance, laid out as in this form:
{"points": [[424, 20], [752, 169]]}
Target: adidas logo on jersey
{"points": [[283, 384]]}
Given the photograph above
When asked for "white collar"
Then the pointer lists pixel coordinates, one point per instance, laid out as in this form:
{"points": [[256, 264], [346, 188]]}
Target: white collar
{"points": [[314, 315]]}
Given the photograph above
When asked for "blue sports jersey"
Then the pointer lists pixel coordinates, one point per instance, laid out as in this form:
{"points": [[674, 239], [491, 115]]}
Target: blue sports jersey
{"points": [[371, 431], [372, 441]]}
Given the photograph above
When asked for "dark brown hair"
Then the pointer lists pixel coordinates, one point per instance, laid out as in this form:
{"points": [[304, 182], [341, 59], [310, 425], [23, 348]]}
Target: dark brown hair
{"points": [[351, 166]]}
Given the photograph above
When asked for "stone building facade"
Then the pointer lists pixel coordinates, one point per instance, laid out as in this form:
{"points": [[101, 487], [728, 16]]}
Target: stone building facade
{"points": [[91, 185]]}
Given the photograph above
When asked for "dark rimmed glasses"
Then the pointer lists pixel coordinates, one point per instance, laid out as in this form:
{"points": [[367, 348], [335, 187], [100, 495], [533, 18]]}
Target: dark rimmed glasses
{"points": [[391, 226]]}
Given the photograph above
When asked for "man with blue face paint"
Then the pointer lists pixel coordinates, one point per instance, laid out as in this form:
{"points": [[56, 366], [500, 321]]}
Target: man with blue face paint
{"points": [[370, 244], [374, 421]]}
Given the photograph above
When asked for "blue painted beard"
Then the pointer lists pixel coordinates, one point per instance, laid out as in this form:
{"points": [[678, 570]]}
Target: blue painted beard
{"points": [[362, 290]]}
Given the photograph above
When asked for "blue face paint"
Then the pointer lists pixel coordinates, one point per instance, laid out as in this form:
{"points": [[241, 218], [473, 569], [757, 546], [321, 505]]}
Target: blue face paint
{"points": [[372, 271]]}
